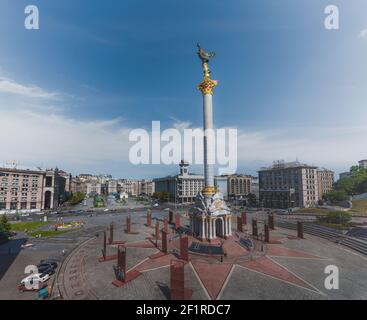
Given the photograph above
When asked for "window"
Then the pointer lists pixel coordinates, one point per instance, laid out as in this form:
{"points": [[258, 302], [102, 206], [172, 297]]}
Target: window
{"points": [[48, 181]]}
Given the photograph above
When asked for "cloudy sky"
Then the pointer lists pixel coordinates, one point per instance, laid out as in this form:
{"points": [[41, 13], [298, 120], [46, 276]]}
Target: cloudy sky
{"points": [[71, 92]]}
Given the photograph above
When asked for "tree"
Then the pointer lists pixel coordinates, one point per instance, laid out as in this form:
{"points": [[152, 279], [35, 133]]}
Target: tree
{"points": [[65, 197], [355, 184], [337, 217], [5, 226], [162, 196], [77, 198], [335, 196], [251, 198]]}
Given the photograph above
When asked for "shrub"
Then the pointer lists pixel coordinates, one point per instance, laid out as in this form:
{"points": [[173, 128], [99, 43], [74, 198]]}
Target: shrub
{"points": [[5, 228], [77, 198], [335, 196], [337, 217]]}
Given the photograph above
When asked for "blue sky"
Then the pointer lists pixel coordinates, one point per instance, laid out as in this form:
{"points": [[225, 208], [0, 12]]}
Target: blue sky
{"points": [[71, 91]]}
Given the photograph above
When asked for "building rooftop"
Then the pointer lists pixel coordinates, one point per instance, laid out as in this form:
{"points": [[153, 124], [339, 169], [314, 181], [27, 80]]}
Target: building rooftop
{"points": [[324, 169], [15, 166], [287, 165], [187, 176]]}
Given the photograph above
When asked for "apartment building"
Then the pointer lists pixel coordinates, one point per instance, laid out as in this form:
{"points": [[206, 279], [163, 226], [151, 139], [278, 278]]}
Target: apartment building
{"points": [[325, 180], [26, 188], [288, 185]]}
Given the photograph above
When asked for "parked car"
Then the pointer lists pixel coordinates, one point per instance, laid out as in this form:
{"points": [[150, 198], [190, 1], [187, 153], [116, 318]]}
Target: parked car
{"points": [[46, 268], [52, 262], [40, 277]]}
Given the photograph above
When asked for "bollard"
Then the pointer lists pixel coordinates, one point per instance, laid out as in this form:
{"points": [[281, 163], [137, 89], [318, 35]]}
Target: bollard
{"points": [[170, 217], [157, 231], [121, 262], [165, 225], [300, 229], [164, 242], [177, 221], [254, 228], [267, 233], [244, 218], [110, 240], [184, 248], [128, 224], [177, 280], [239, 224], [149, 219], [271, 221], [104, 250]]}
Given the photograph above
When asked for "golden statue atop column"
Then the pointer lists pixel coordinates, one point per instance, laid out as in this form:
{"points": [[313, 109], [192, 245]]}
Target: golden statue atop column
{"points": [[207, 86]]}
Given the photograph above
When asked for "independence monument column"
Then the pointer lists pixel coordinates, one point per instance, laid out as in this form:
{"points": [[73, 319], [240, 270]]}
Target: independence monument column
{"points": [[206, 87], [210, 217]]}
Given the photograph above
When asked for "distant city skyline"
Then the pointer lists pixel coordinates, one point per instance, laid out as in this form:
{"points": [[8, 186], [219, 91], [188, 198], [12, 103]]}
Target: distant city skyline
{"points": [[71, 92]]}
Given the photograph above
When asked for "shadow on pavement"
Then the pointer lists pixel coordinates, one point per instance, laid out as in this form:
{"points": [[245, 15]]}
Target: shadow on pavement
{"points": [[164, 289], [8, 253]]}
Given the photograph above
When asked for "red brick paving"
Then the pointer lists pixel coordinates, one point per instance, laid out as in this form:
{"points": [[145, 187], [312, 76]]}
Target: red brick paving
{"points": [[233, 248], [155, 263], [108, 258], [212, 275], [141, 244], [118, 242], [188, 293], [130, 276], [157, 255], [270, 268]]}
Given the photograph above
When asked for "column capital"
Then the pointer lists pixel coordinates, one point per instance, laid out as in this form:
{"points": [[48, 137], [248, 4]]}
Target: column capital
{"points": [[209, 191], [207, 86]]}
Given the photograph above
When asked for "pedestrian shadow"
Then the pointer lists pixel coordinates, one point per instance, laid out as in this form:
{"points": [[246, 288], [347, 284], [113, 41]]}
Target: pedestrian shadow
{"points": [[8, 253]]}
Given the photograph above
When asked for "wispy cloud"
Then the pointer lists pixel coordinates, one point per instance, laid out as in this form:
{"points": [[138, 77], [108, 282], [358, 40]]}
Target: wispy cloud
{"points": [[181, 125], [363, 34], [29, 91], [53, 138], [57, 139], [332, 147]]}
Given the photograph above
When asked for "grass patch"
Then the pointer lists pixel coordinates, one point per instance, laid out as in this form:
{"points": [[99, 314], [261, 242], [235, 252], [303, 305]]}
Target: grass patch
{"points": [[359, 206], [31, 225], [48, 233], [316, 211], [359, 209]]}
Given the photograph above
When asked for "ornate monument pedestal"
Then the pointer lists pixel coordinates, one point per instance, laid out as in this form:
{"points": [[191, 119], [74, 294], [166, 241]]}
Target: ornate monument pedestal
{"points": [[210, 217]]}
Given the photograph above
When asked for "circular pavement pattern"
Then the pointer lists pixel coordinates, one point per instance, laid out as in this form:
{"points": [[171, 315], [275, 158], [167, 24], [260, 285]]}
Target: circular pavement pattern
{"points": [[285, 268]]}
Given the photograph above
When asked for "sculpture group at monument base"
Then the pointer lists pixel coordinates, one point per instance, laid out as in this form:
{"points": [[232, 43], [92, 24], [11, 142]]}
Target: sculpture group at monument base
{"points": [[210, 217]]}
